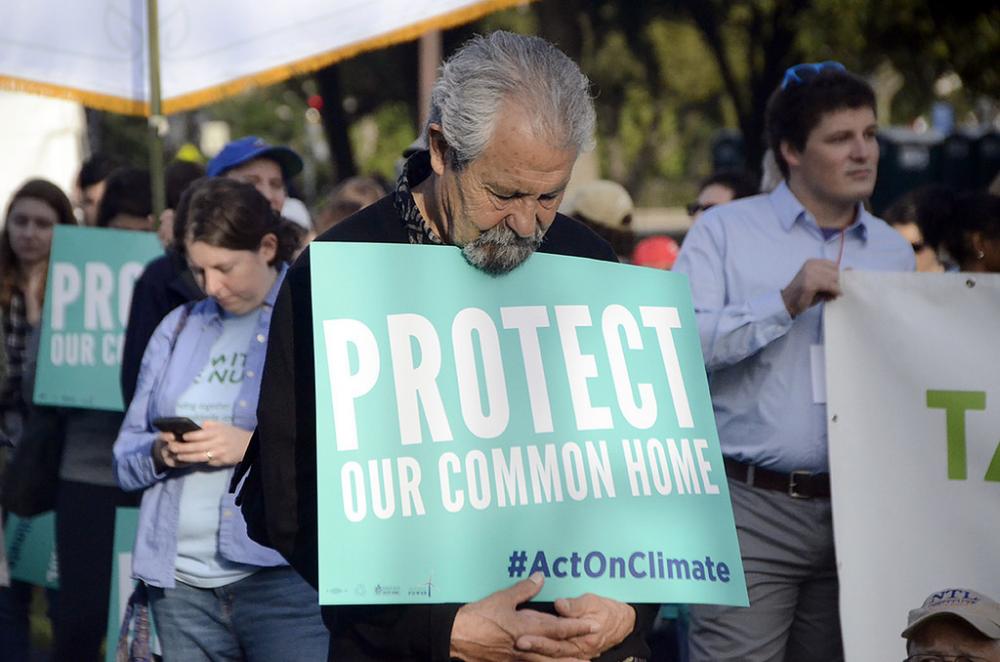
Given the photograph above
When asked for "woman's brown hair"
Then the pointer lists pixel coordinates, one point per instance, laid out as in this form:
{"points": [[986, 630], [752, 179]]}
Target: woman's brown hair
{"points": [[36, 189], [229, 214]]}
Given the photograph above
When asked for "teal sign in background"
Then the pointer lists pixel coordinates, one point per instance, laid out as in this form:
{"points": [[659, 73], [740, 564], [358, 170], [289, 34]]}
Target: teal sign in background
{"points": [[87, 297], [31, 549], [657, 545]]}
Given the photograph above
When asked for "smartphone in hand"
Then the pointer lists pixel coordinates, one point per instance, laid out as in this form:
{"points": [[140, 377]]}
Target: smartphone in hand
{"points": [[178, 425]]}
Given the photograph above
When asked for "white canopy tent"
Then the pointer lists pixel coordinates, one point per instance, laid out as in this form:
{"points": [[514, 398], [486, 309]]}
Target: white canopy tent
{"points": [[107, 54], [97, 51]]}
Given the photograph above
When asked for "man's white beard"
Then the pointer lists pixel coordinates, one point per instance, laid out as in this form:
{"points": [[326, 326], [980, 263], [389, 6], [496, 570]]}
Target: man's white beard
{"points": [[500, 250]]}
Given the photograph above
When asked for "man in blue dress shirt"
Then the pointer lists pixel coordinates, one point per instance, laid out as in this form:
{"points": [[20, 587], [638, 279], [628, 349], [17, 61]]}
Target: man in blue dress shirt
{"points": [[760, 270]]}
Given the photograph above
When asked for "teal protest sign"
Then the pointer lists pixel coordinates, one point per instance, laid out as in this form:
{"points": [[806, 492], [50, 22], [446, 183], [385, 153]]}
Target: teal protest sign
{"points": [[472, 430], [31, 549], [122, 584], [87, 297]]}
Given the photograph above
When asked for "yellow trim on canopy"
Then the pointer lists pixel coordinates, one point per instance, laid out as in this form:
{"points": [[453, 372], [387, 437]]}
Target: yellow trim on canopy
{"points": [[86, 97], [271, 76]]}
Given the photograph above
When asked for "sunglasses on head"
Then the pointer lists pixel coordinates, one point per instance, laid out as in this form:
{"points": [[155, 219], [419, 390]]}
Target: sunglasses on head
{"points": [[695, 207], [801, 73]]}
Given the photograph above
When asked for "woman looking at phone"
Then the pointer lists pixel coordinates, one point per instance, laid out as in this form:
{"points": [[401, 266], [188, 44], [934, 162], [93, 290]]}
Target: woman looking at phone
{"points": [[214, 593]]}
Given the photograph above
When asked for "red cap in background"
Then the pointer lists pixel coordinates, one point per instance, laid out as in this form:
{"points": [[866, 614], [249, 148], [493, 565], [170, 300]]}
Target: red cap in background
{"points": [[657, 252]]}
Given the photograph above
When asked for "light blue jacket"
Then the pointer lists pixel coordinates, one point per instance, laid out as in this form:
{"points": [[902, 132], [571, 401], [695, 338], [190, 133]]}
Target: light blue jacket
{"points": [[163, 377]]}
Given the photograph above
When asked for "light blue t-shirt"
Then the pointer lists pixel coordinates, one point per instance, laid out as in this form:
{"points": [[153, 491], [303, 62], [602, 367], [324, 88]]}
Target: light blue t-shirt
{"points": [[210, 398]]}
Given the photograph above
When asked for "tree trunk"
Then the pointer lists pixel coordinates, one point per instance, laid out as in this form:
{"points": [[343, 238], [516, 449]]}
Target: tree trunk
{"points": [[770, 45], [335, 123]]}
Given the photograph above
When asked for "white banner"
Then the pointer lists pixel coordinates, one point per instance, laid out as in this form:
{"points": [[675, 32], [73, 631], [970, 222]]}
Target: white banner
{"points": [[46, 134], [95, 51], [913, 381]]}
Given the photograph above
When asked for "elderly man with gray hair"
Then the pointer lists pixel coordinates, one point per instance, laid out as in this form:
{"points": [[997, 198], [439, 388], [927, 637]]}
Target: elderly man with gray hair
{"points": [[510, 114]]}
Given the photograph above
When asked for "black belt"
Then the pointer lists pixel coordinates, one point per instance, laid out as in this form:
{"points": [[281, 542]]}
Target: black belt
{"points": [[798, 484]]}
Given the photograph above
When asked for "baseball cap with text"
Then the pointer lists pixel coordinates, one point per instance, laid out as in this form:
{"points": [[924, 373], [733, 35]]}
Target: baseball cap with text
{"points": [[974, 608]]}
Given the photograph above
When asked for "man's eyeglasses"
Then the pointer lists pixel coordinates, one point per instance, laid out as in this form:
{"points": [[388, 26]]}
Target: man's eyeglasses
{"points": [[934, 657], [800, 73], [695, 207]]}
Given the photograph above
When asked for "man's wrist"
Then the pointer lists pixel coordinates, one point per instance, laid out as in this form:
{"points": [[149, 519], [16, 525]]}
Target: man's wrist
{"points": [[456, 647]]}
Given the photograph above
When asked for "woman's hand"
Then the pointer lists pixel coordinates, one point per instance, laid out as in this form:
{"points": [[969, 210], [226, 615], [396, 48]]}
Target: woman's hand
{"points": [[163, 457], [216, 444]]}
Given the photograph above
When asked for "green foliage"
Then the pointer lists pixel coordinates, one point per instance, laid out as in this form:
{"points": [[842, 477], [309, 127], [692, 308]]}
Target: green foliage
{"points": [[685, 65], [659, 96], [615, 63], [925, 40], [278, 114], [124, 137], [636, 121], [833, 31], [275, 113], [671, 153], [372, 79], [517, 19], [379, 139]]}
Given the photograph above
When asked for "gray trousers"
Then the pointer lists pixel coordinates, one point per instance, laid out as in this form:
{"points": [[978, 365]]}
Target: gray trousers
{"points": [[791, 574]]}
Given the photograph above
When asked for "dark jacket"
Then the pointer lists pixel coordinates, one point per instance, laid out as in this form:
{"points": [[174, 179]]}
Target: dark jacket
{"points": [[279, 494], [165, 284]]}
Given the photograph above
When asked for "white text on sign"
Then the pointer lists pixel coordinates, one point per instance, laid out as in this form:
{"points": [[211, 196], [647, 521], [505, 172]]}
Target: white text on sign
{"points": [[105, 297], [472, 330]]}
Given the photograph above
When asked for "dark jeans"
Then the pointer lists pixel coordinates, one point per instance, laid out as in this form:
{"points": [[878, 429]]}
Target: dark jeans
{"points": [[270, 616], [15, 600], [15, 606], [85, 529]]}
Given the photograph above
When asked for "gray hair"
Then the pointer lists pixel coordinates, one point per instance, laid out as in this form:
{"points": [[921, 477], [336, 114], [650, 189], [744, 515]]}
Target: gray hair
{"points": [[487, 71]]}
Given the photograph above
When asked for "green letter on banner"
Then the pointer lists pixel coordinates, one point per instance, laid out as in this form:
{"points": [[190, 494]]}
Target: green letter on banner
{"points": [[955, 404], [993, 472]]}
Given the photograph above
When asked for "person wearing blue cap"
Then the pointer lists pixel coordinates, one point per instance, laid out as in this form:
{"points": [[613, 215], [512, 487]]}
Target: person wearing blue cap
{"points": [[265, 167], [166, 282]]}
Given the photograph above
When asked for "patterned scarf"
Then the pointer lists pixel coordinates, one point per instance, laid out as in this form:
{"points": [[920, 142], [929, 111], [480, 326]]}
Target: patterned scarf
{"points": [[416, 169]]}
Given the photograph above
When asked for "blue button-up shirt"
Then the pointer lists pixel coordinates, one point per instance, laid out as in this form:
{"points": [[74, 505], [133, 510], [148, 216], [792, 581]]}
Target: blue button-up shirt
{"points": [[738, 257], [164, 375]]}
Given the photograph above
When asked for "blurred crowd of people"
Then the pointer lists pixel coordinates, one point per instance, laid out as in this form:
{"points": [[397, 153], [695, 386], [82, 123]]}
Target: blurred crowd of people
{"points": [[111, 195], [230, 235]]}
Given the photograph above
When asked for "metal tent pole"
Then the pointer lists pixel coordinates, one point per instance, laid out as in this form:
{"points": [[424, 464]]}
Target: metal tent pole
{"points": [[157, 122]]}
